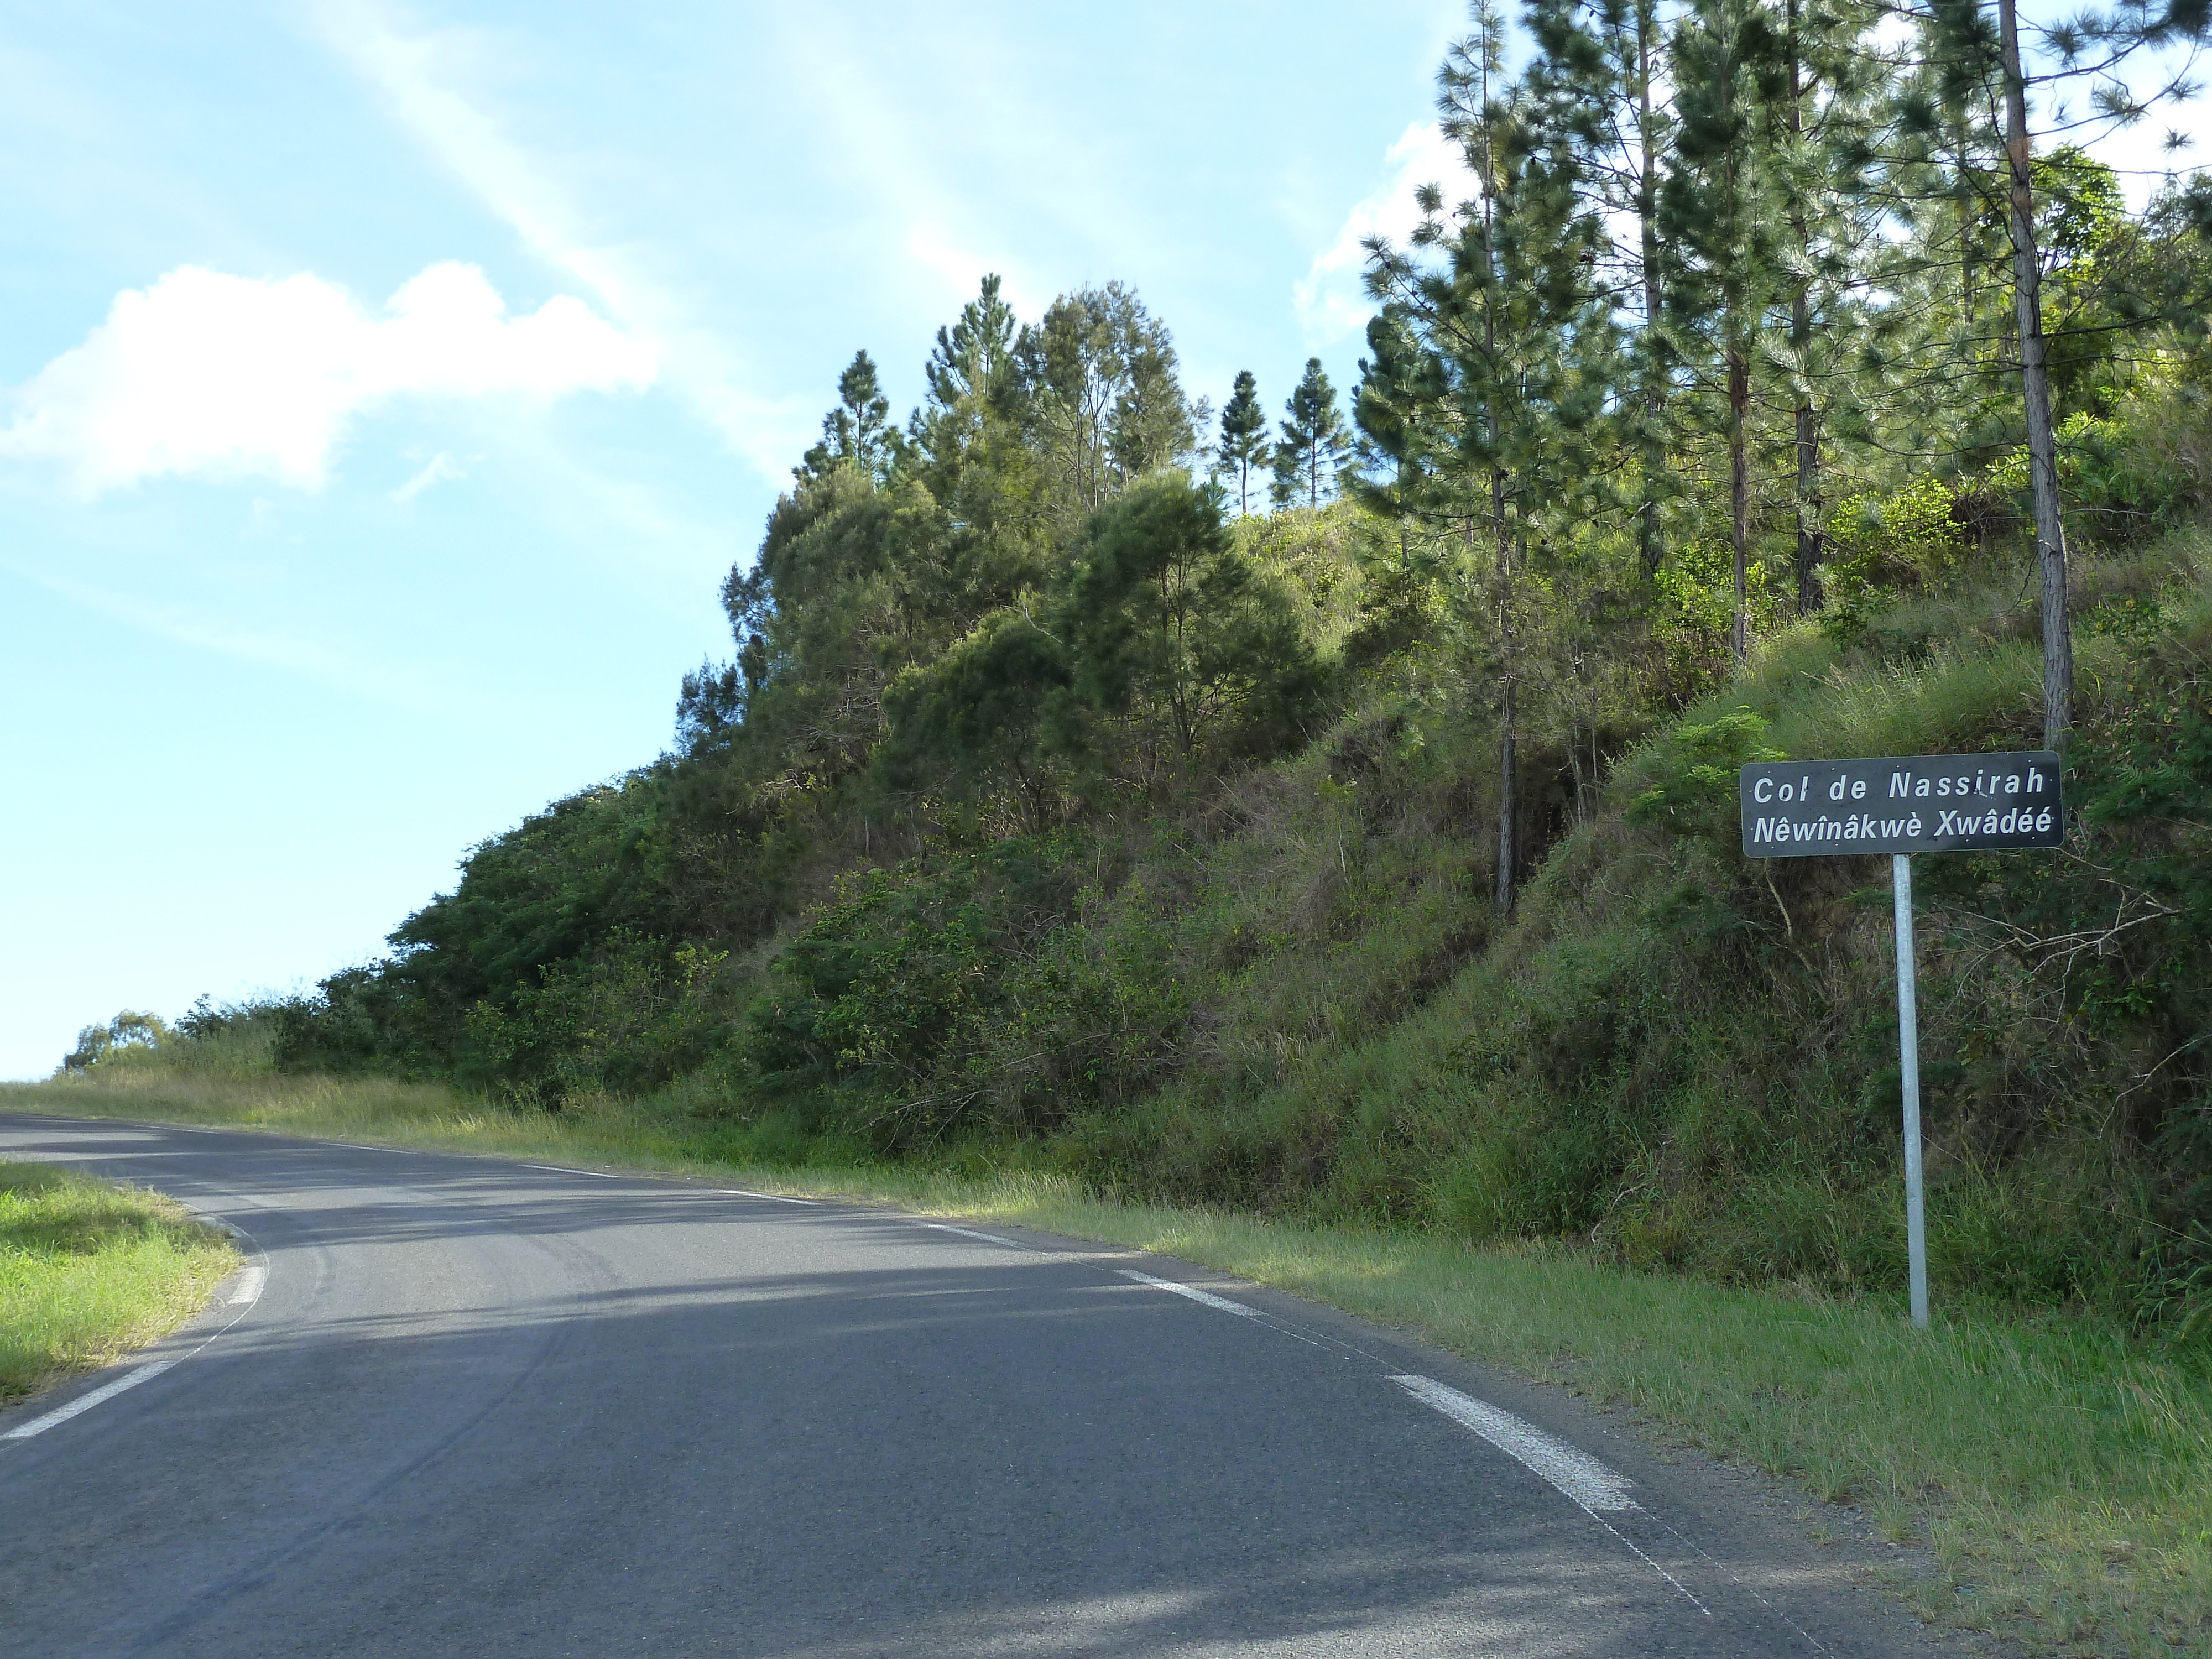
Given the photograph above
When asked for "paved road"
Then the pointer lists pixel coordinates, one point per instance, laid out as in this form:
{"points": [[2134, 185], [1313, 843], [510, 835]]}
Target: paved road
{"points": [[480, 1408]]}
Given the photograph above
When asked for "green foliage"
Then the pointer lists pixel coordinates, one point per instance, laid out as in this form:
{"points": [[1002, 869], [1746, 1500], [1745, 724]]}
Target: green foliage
{"points": [[1168, 621], [1314, 441], [1244, 437], [1696, 768], [1880, 546], [628, 1018], [113, 1041], [924, 1003]]}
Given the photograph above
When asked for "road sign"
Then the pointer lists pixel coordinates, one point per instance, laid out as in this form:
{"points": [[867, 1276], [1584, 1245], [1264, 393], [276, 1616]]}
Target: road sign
{"points": [[1916, 804], [1919, 804]]}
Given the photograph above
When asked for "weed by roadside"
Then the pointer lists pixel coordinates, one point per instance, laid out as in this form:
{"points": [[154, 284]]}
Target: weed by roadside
{"points": [[88, 1272]]}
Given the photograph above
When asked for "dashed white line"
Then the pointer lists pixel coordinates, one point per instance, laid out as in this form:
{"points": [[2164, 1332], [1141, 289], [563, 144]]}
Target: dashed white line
{"points": [[555, 1168], [1594, 1489], [85, 1402], [773, 1198], [251, 1284], [1192, 1291], [1574, 1471], [969, 1232]]}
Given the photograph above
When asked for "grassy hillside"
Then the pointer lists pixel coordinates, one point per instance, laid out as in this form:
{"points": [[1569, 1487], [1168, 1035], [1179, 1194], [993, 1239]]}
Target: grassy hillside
{"points": [[1293, 994]]}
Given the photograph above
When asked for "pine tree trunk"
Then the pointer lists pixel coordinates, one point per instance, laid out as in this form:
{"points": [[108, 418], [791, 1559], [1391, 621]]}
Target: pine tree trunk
{"points": [[1739, 397], [1649, 547], [2035, 390], [1809, 484], [1508, 698], [1801, 339], [1506, 762]]}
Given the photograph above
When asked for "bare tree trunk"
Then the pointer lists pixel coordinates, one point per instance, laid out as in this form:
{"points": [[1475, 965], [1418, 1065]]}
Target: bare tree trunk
{"points": [[1739, 397], [2035, 390]]}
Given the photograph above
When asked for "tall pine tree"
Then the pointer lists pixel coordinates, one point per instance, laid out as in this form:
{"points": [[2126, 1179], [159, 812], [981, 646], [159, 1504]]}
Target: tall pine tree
{"points": [[1243, 436], [1315, 442]]}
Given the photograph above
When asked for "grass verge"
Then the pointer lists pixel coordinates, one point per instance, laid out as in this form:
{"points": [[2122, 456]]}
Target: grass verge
{"points": [[88, 1272], [2060, 1471]]}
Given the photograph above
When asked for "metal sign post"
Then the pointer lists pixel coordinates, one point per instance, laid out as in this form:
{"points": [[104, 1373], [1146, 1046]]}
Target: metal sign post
{"points": [[1916, 803], [1908, 1065]]}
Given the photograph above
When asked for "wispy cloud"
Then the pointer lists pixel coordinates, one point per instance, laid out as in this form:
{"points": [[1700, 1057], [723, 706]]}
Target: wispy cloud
{"points": [[423, 78], [1331, 302], [201, 630], [204, 375], [441, 468]]}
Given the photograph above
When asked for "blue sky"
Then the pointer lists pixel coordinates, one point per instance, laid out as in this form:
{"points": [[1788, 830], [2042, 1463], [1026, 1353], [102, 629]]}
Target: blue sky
{"points": [[384, 391], [387, 390]]}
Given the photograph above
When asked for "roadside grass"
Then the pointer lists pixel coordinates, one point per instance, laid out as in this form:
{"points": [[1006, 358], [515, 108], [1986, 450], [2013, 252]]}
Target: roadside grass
{"points": [[2059, 1471], [88, 1272]]}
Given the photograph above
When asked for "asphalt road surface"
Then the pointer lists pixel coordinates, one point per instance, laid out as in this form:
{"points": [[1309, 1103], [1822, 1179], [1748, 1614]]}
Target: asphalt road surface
{"points": [[463, 1407]]}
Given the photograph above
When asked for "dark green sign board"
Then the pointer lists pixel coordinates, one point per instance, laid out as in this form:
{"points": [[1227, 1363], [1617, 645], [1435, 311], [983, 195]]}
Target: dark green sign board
{"points": [[1902, 806], [1912, 804]]}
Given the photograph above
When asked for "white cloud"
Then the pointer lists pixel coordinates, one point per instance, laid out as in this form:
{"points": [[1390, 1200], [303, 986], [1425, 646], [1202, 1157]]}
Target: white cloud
{"points": [[1330, 301], [217, 376], [417, 75]]}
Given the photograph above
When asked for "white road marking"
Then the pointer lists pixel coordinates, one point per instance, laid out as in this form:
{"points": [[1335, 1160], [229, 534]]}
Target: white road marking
{"points": [[969, 1232], [85, 1402], [1574, 1471], [1192, 1291], [1591, 1487], [555, 1169], [251, 1284], [774, 1198]]}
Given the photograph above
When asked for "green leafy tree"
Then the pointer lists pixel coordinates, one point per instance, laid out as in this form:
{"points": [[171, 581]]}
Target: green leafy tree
{"points": [[1165, 621], [1108, 405], [971, 720]]}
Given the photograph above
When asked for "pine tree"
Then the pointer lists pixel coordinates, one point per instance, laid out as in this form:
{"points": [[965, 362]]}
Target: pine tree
{"points": [[1491, 430], [1243, 436], [1599, 96], [857, 431], [1315, 442], [1822, 152], [2090, 47], [1724, 228]]}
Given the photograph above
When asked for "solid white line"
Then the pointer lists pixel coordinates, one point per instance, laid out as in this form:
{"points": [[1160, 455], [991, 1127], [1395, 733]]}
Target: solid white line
{"points": [[86, 1401], [1192, 1291], [1576, 1473], [774, 1198], [969, 1232], [597, 1175], [251, 1284]]}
